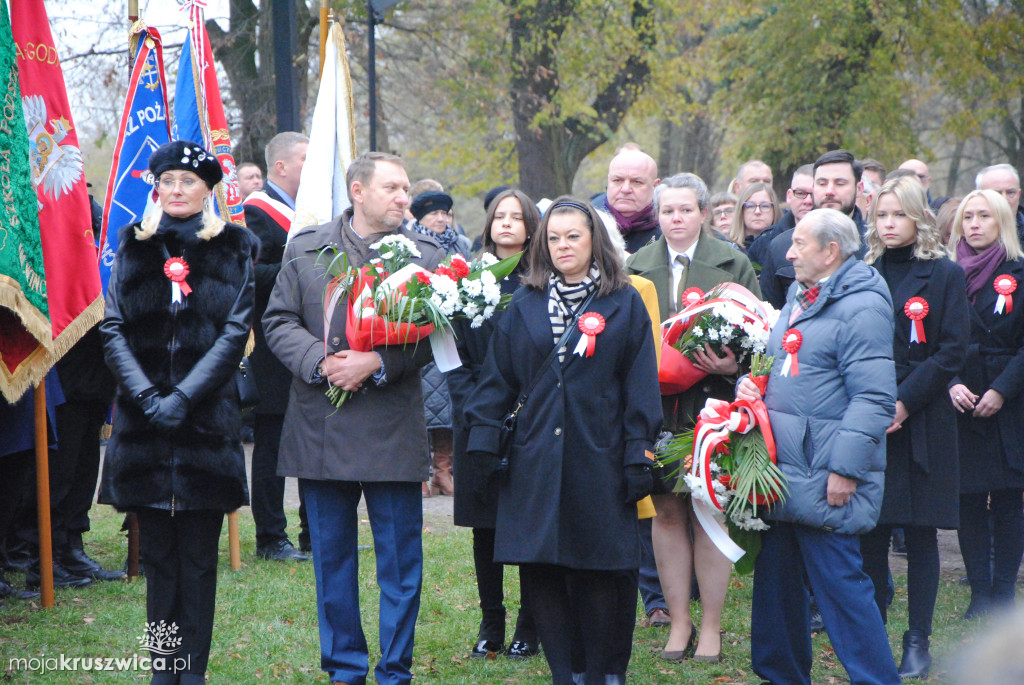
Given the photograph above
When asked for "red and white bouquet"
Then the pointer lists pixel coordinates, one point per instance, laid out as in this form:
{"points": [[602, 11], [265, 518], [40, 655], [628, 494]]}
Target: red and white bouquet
{"points": [[728, 316], [392, 301]]}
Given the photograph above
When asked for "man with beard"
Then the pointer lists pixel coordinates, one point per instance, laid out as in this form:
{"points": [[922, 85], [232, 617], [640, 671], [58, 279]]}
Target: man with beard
{"points": [[373, 446], [836, 186], [632, 176]]}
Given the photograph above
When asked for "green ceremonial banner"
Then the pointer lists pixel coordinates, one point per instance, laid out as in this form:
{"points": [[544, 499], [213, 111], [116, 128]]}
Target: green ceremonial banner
{"points": [[25, 330]]}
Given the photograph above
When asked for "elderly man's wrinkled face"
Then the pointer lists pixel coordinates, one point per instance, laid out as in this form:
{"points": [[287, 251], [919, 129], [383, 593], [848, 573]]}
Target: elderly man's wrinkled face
{"points": [[1003, 183], [632, 176], [811, 261]]}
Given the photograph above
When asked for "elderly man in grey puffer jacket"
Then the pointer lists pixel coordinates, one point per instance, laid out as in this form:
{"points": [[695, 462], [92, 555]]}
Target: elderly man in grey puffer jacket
{"points": [[830, 404]]}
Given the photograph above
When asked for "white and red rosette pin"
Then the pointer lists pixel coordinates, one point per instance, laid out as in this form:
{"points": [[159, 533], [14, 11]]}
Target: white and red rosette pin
{"points": [[692, 296], [590, 324], [176, 269], [791, 341], [916, 309], [1005, 285]]}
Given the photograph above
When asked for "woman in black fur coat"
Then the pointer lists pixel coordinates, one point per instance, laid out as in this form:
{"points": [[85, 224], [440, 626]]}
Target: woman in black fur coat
{"points": [[178, 313]]}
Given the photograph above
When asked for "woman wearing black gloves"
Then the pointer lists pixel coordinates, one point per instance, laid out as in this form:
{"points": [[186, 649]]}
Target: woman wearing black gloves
{"points": [[922, 471], [178, 313], [578, 462]]}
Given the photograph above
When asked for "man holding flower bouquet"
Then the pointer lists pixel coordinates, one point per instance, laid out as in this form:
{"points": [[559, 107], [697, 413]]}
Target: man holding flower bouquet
{"points": [[374, 445], [831, 396]]}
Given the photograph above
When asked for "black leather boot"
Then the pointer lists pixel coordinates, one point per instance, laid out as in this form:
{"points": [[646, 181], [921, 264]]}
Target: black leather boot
{"points": [[916, 659], [74, 558]]}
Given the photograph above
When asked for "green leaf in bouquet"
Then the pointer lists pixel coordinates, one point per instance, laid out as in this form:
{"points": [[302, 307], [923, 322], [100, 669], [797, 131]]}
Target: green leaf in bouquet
{"points": [[753, 474], [750, 542], [674, 458], [501, 269]]}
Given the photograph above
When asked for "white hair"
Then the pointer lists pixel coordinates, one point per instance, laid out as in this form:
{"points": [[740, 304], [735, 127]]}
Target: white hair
{"points": [[995, 167]]}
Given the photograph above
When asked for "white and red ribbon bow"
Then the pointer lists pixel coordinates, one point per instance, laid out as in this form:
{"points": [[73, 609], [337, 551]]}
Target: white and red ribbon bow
{"points": [[590, 324], [1004, 285], [916, 309], [176, 269], [791, 341]]}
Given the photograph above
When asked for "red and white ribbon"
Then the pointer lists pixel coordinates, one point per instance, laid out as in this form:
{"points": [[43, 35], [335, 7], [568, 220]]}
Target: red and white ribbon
{"points": [[590, 324], [916, 309], [691, 296], [176, 269], [791, 341], [1004, 285]]}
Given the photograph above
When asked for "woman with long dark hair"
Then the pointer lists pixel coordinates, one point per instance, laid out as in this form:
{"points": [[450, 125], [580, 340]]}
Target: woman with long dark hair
{"points": [[922, 484], [578, 461], [512, 220]]}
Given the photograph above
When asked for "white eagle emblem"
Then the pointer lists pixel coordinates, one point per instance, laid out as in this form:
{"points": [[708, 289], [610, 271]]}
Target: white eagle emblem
{"points": [[57, 168]]}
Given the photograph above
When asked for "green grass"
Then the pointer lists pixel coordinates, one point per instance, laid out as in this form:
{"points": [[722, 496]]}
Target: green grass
{"points": [[266, 627]]}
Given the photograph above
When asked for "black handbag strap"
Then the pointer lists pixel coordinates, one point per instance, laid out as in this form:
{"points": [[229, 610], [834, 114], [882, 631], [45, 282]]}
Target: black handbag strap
{"points": [[525, 394]]}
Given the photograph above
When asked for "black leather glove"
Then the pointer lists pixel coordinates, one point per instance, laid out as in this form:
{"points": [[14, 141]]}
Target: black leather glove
{"points": [[171, 411], [148, 400], [639, 482], [484, 468]]}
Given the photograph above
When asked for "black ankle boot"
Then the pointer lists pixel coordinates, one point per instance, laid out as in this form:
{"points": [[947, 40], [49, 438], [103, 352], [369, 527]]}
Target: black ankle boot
{"points": [[916, 659]]}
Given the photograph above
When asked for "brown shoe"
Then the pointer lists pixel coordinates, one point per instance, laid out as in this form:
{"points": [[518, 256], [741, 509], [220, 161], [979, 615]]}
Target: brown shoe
{"points": [[659, 618], [442, 478]]}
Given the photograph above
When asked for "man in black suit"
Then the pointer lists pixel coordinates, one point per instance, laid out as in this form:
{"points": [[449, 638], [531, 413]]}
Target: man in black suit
{"points": [[268, 214]]}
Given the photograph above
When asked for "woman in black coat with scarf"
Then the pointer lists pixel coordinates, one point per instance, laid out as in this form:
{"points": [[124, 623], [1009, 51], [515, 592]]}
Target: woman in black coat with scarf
{"points": [[922, 484], [178, 314], [512, 219], [987, 395], [578, 461]]}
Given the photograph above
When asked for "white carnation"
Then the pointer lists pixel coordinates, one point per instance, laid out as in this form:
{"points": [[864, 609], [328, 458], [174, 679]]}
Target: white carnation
{"points": [[477, 321]]}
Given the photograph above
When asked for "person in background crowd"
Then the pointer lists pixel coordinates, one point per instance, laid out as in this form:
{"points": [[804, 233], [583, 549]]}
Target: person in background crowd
{"points": [[372, 447], [945, 212], [415, 190], [987, 397], [632, 176], [922, 468], [872, 176], [431, 211], [920, 170], [800, 199], [758, 209], [578, 464], [250, 179], [723, 207], [752, 171], [511, 223], [269, 214], [687, 256], [1005, 180], [829, 422], [175, 455]]}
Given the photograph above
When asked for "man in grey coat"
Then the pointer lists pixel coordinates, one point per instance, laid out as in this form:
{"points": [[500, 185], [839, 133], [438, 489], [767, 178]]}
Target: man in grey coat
{"points": [[373, 446], [831, 395]]}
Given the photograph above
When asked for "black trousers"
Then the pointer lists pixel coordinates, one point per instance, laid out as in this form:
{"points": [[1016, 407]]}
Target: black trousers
{"points": [[15, 479], [267, 495], [75, 467], [992, 542], [490, 578], [922, 571], [579, 619], [180, 556]]}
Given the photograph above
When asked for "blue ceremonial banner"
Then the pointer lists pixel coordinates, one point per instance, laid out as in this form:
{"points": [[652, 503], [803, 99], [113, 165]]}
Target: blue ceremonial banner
{"points": [[144, 128]]}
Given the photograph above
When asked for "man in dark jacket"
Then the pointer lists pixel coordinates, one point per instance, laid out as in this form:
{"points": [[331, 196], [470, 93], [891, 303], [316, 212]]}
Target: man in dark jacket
{"points": [[632, 176], [831, 396], [800, 198], [836, 185], [373, 446], [268, 214]]}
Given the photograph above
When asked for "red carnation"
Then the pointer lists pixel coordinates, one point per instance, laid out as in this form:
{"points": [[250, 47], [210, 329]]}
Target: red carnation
{"points": [[423, 278], [445, 271]]}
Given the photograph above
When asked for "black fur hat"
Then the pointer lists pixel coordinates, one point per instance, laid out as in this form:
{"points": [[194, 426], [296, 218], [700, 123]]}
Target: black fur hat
{"points": [[428, 202], [187, 156]]}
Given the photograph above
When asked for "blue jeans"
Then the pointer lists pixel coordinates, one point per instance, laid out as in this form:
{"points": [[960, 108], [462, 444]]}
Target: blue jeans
{"points": [[780, 637], [396, 519]]}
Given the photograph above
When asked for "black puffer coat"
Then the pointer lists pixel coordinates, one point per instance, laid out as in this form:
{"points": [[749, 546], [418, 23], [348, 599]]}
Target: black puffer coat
{"points": [[194, 347]]}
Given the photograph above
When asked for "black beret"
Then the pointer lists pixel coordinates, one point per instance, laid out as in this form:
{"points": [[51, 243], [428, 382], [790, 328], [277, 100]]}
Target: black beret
{"points": [[428, 202], [186, 156]]}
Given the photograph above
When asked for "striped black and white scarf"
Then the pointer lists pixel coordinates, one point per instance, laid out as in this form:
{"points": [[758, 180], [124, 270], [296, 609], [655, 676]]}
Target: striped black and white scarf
{"points": [[564, 300]]}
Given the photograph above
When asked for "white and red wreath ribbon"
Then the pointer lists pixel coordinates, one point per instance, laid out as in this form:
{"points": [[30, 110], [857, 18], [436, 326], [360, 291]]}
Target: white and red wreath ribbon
{"points": [[590, 324], [176, 269], [916, 309], [791, 342], [717, 419], [1005, 285]]}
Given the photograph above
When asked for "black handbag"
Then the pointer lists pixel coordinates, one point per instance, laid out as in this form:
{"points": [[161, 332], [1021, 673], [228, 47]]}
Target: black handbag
{"points": [[245, 382], [508, 424]]}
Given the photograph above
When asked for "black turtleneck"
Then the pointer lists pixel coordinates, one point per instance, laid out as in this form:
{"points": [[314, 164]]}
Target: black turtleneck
{"points": [[895, 264], [179, 231]]}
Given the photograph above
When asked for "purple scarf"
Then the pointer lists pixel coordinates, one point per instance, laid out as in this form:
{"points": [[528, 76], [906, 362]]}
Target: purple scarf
{"points": [[979, 267], [641, 221]]}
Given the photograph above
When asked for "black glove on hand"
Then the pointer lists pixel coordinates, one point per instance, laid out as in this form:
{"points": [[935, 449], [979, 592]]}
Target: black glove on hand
{"points": [[171, 411], [148, 400], [639, 482], [484, 467]]}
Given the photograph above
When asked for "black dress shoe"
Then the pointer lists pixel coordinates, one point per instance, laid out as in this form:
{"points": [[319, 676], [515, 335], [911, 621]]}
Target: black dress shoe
{"points": [[520, 649], [61, 577], [916, 659], [485, 648], [8, 590], [79, 563], [282, 550]]}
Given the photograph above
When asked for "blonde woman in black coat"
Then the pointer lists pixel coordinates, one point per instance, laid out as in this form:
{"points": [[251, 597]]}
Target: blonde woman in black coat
{"points": [[922, 484]]}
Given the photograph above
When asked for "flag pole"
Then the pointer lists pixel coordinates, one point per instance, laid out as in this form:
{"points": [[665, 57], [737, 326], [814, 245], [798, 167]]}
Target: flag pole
{"points": [[133, 11], [324, 21], [43, 497]]}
